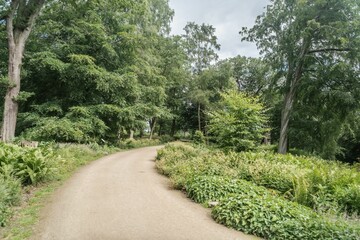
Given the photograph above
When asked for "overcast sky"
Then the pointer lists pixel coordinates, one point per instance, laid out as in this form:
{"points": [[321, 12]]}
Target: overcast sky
{"points": [[227, 16]]}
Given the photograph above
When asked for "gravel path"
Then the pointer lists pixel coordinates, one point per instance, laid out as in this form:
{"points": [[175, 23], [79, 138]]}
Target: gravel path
{"points": [[122, 197]]}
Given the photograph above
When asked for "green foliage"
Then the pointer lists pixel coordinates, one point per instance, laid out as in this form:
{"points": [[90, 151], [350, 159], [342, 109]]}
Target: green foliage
{"points": [[271, 195], [239, 123], [137, 143], [30, 165], [10, 191], [201, 45], [312, 46], [276, 218], [21, 166], [203, 189], [198, 137]]}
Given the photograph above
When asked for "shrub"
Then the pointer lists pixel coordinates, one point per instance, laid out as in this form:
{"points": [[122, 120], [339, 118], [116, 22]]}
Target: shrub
{"points": [[239, 123], [276, 218], [30, 165], [198, 137], [166, 138], [136, 143], [211, 175], [10, 190], [203, 189]]}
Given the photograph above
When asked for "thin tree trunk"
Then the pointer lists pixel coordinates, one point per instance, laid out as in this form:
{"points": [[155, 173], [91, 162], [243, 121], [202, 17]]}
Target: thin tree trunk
{"points": [[131, 134], [199, 116], [160, 129], [173, 127], [152, 127]]}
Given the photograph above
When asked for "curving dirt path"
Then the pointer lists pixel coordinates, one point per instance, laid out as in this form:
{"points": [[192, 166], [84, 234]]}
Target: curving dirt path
{"points": [[122, 197]]}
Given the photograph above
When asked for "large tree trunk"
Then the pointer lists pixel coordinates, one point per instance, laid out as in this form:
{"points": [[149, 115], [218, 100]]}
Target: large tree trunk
{"points": [[17, 36], [294, 78], [11, 105], [285, 118]]}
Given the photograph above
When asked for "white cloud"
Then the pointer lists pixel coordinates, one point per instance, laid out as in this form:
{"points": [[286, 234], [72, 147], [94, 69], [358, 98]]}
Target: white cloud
{"points": [[227, 16]]}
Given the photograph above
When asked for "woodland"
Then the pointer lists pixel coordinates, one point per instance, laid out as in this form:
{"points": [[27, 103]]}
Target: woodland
{"points": [[101, 71], [282, 129]]}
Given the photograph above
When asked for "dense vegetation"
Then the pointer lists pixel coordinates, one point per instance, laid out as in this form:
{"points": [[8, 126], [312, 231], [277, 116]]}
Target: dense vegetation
{"points": [[102, 71], [108, 72], [270, 195]]}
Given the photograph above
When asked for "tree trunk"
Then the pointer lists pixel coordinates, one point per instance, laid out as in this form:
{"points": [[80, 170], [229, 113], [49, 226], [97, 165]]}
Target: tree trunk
{"points": [[285, 117], [294, 78], [11, 105], [152, 127], [16, 42], [199, 116], [131, 134], [173, 127], [17, 36], [160, 129]]}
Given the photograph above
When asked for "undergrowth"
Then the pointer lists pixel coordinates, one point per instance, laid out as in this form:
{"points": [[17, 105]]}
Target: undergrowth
{"points": [[269, 195]]}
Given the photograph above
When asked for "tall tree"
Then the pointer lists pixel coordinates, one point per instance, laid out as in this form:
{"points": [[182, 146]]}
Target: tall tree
{"points": [[298, 35], [20, 16], [200, 43]]}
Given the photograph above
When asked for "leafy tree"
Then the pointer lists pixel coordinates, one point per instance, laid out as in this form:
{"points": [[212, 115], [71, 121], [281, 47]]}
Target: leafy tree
{"points": [[101, 56], [300, 38], [20, 16], [252, 75], [173, 68], [200, 44], [239, 123]]}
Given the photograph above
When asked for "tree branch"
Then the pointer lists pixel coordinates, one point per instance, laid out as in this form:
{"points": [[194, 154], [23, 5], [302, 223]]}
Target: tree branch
{"points": [[330, 50]]}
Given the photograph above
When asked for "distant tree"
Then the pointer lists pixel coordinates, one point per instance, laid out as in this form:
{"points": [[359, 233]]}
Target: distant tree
{"points": [[300, 38], [20, 16], [252, 75], [200, 44]]}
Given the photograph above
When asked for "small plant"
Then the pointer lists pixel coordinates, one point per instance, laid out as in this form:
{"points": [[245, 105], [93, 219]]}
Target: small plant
{"points": [[30, 165], [199, 137]]}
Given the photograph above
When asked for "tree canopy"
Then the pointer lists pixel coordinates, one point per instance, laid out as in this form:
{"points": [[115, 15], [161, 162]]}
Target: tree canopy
{"points": [[102, 71]]}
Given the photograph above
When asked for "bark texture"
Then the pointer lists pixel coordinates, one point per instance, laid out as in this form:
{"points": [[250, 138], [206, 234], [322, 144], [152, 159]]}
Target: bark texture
{"points": [[294, 77], [17, 34]]}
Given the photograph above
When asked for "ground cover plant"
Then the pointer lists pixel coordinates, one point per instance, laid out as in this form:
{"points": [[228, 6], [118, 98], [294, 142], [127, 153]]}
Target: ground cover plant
{"points": [[269, 195]]}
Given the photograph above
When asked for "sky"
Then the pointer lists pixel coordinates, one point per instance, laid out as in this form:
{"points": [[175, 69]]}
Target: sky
{"points": [[227, 16]]}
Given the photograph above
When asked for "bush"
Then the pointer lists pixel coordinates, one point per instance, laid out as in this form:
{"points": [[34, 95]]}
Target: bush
{"points": [[10, 192], [239, 123], [211, 175], [276, 218], [166, 139], [203, 189], [137, 143], [30, 165], [198, 137]]}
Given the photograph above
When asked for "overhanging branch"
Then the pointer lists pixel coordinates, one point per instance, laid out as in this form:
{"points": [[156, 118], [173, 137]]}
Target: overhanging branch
{"points": [[330, 50]]}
